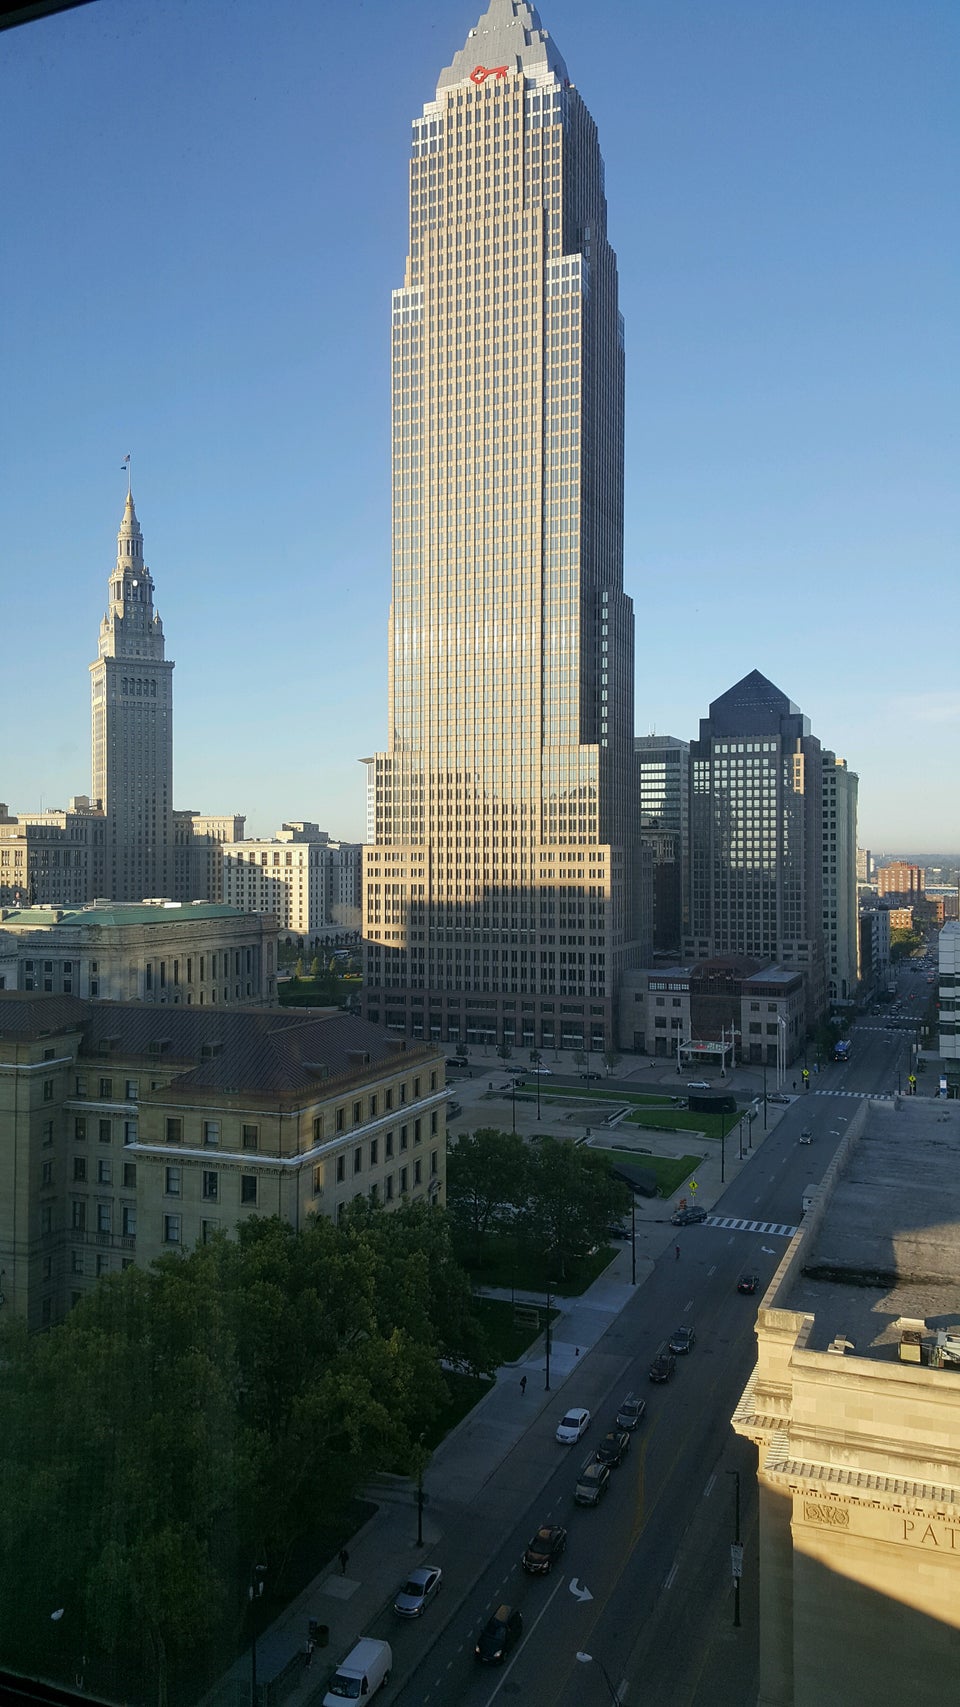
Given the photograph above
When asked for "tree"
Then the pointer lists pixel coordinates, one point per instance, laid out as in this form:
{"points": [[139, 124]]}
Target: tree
{"points": [[571, 1198], [487, 1175], [504, 1051], [611, 1056], [315, 967], [579, 1057], [298, 969]]}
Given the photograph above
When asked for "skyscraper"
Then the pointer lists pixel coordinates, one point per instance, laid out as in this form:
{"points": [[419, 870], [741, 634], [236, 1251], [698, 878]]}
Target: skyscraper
{"points": [[756, 842], [131, 687], [499, 893], [663, 801]]}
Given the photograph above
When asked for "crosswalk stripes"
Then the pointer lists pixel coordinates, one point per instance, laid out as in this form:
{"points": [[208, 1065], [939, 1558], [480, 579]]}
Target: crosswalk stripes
{"points": [[776, 1229], [872, 1096]]}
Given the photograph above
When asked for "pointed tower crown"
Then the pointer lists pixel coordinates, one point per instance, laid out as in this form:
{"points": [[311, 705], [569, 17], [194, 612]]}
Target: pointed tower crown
{"points": [[130, 538], [509, 35]]}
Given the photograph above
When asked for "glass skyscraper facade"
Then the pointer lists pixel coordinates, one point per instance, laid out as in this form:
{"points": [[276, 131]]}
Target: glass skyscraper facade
{"points": [[500, 899]]}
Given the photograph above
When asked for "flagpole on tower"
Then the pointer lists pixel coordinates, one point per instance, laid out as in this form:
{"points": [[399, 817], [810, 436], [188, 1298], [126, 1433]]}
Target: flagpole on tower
{"points": [[127, 465]]}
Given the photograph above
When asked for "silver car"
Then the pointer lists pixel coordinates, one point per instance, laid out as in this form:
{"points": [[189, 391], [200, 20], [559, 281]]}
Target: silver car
{"points": [[417, 1592]]}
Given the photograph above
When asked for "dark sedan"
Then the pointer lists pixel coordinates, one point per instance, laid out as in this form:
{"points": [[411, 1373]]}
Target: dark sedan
{"points": [[613, 1448], [498, 1635], [748, 1283], [544, 1550], [683, 1341]]}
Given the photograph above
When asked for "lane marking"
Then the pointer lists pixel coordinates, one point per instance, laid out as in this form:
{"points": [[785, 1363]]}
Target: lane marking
{"points": [[671, 1574], [688, 1305], [711, 1271], [708, 1490]]}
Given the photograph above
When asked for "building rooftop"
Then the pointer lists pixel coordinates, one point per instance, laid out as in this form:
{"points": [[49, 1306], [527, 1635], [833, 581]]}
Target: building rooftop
{"points": [[250, 1051], [888, 1244], [101, 915]]}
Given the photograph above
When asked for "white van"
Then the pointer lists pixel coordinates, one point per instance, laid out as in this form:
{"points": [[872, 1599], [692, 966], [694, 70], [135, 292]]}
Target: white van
{"points": [[361, 1674]]}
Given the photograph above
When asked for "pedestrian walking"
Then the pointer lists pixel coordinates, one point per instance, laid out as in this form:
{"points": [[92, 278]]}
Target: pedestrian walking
{"points": [[676, 1252], [344, 1561], [308, 1654], [523, 1384]]}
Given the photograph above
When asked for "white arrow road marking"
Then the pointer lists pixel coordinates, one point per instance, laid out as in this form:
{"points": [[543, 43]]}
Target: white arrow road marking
{"points": [[579, 1589], [768, 1250]]}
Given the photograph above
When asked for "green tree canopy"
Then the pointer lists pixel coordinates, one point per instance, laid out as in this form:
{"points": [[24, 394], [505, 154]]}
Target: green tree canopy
{"points": [[487, 1173], [571, 1198]]}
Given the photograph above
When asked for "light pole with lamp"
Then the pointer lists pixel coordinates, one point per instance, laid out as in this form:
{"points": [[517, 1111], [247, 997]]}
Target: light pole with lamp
{"points": [[633, 1238], [736, 1551], [546, 1384], [588, 1659], [254, 1594]]}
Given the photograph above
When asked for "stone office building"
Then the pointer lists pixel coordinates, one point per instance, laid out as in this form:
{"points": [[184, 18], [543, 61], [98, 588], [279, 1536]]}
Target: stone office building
{"points": [[129, 1131], [857, 1426]]}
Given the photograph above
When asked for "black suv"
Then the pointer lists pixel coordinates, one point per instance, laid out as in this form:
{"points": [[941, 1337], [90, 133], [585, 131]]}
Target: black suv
{"points": [[663, 1366], [498, 1635]]}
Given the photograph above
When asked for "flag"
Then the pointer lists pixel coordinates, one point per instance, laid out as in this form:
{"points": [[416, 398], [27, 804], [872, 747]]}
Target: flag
{"points": [[126, 461]]}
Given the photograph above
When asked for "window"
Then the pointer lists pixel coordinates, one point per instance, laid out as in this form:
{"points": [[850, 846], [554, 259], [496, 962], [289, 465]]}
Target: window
{"points": [[76, 1262], [341, 1118], [357, 1113], [388, 1188], [106, 1087], [403, 1181], [417, 1172], [103, 1266], [171, 1229], [104, 1173], [416, 1132], [211, 1132], [207, 1230], [374, 1152], [104, 1217], [416, 1088], [79, 1168], [373, 1107], [318, 1180], [172, 1182], [48, 1090], [433, 1081], [251, 1137], [174, 1129], [341, 1169], [403, 1137], [79, 1216], [357, 1159], [248, 1188], [433, 1122], [48, 1132], [403, 1092], [211, 1186], [105, 1129], [80, 1127], [388, 1146], [79, 1086], [129, 1221], [318, 1128], [133, 1089], [388, 1098], [46, 1218], [434, 1164]]}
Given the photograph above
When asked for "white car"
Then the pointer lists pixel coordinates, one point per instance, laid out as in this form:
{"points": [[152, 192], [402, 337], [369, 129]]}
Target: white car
{"points": [[573, 1426]]}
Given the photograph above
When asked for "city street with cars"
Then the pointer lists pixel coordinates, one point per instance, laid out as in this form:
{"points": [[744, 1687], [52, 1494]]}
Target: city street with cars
{"points": [[632, 1592]]}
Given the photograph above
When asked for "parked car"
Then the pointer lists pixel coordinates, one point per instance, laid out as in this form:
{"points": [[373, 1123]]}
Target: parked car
{"points": [[699, 1085], [589, 1075], [365, 1670], [776, 1096], [687, 1217], [544, 1550], [748, 1283], [417, 1592], [499, 1634], [453, 1109], [632, 1411], [683, 1341], [617, 1231], [573, 1426], [613, 1448], [592, 1483], [663, 1366]]}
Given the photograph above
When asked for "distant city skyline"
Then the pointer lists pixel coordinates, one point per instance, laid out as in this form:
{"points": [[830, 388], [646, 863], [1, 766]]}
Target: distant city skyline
{"points": [[788, 281]]}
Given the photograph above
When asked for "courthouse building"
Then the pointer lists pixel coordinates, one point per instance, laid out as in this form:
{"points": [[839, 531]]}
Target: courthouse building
{"points": [[131, 1130], [856, 1419]]}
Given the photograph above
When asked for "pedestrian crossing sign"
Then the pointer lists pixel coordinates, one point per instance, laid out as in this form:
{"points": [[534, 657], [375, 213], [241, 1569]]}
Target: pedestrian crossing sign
{"points": [[693, 1185]]}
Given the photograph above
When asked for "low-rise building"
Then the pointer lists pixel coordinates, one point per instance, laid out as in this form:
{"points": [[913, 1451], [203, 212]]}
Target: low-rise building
{"points": [[53, 858], [198, 842], [130, 1131], [192, 953], [709, 1011], [854, 1407]]}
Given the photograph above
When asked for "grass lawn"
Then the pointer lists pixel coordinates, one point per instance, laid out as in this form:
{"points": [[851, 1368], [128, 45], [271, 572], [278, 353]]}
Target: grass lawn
{"points": [[591, 1092], [681, 1120], [671, 1171], [506, 1262], [509, 1339]]}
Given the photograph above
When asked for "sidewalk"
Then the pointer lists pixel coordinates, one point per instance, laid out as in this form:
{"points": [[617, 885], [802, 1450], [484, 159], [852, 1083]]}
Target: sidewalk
{"points": [[458, 1483]]}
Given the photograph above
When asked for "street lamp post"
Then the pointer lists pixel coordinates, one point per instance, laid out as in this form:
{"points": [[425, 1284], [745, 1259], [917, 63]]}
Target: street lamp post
{"points": [[538, 1087], [513, 1103], [421, 1455], [588, 1659], [546, 1384], [254, 1593], [736, 1554], [764, 1087], [633, 1238], [723, 1148]]}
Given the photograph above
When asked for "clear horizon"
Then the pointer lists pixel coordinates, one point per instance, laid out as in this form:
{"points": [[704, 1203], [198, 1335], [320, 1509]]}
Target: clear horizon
{"points": [[206, 210]]}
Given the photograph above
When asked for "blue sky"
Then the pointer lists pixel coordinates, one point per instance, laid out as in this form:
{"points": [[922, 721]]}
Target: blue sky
{"points": [[204, 212]]}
